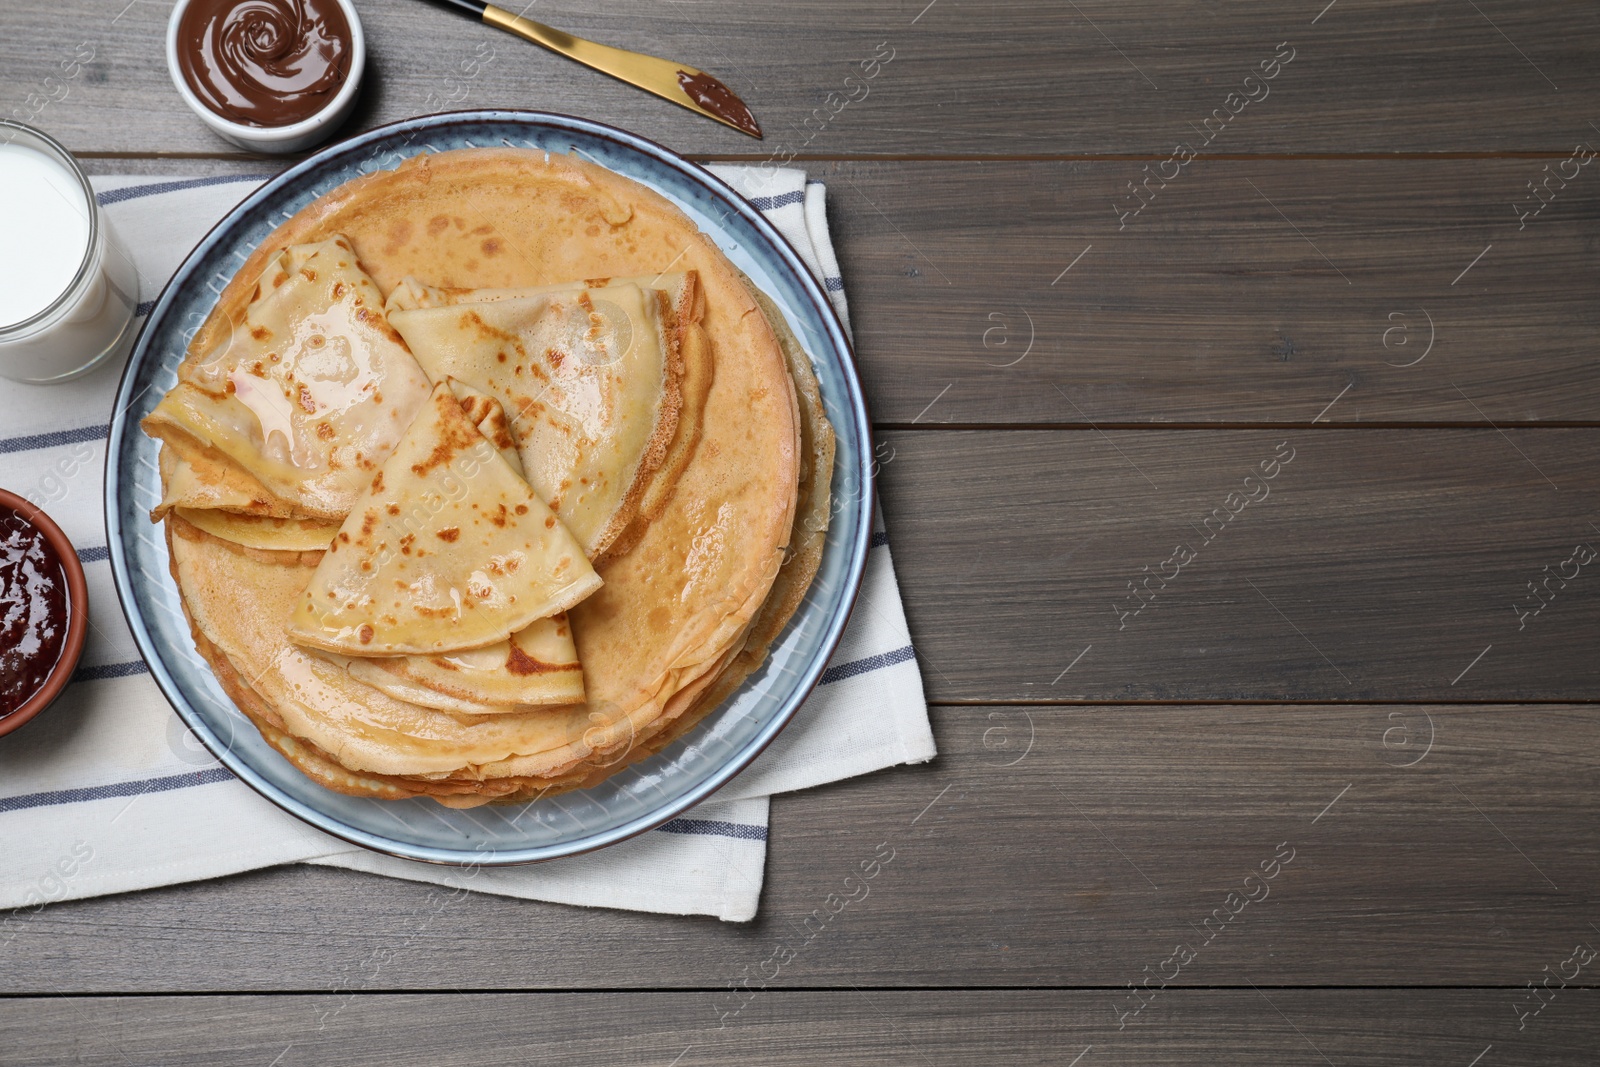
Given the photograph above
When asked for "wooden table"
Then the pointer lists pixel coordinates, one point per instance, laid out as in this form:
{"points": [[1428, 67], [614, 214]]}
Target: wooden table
{"points": [[1321, 775]]}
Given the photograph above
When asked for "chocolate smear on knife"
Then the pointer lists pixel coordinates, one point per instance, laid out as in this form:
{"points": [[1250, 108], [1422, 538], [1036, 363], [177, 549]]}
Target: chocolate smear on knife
{"points": [[718, 99]]}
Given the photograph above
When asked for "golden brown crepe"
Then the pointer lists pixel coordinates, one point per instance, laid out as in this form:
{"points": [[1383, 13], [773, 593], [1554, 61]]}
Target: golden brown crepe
{"points": [[795, 575], [486, 413], [813, 511], [212, 482], [260, 531], [588, 376], [447, 549], [687, 585], [807, 538], [228, 594], [699, 370], [304, 389], [536, 665]]}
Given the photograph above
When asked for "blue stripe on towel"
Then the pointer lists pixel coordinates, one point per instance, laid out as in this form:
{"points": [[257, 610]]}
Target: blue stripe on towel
{"points": [[862, 666], [134, 192], [110, 670], [772, 203], [94, 554], [57, 797], [715, 828], [54, 439], [879, 538], [147, 306], [115, 789]]}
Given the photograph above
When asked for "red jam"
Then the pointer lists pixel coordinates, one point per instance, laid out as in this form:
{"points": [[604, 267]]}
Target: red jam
{"points": [[33, 610]]}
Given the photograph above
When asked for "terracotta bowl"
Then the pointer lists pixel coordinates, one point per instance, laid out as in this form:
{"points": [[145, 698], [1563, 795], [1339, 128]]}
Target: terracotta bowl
{"points": [[77, 613]]}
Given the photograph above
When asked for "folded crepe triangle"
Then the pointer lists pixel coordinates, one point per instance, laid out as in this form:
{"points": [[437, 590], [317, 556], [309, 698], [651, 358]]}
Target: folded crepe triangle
{"points": [[538, 665], [295, 400], [447, 549], [276, 535], [589, 374], [485, 412]]}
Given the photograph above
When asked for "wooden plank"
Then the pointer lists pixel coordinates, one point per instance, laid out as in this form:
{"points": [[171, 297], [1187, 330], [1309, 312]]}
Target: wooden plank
{"points": [[1377, 565], [1020, 79], [178, 167], [1197, 1027], [1046, 847], [1267, 1027], [1244, 292]]}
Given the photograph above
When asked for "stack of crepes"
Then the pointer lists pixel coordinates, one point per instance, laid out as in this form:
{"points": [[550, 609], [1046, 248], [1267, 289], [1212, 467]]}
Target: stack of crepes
{"points": [[487, 476]]}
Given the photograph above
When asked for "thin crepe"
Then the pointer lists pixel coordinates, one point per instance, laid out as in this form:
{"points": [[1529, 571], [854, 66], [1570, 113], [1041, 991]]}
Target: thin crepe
{"points": [[265, 532], [227, 595], [536, 665], [212, 482], [487, 414], [588, 375], [303, 390], [447, 549], [808, 538]]}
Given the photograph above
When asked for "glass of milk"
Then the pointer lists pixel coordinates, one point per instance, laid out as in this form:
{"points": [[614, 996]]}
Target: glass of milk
{"points": [[67, 287]]}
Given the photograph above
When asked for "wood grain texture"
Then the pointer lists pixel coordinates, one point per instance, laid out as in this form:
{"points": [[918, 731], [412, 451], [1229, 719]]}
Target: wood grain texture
{"points": [[1244, 292], [1377, 565], [1269, 1027], [1017, 79], [1425, 845]]}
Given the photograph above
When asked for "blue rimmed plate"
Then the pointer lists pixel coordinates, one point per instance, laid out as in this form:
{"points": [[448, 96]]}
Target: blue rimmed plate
{"points": [[637, 798]]}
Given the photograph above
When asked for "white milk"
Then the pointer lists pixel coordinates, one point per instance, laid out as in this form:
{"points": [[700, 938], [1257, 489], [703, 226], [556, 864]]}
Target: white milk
{"points": [[55, 322], [44, 231]]}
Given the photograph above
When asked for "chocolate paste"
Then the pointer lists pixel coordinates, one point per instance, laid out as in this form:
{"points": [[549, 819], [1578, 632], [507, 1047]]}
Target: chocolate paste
{"points": [[265, 62], [718, 99]]}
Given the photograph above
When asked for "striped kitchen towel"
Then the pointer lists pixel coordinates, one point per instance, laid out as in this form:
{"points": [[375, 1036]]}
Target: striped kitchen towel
{"points": [[108, 791]]}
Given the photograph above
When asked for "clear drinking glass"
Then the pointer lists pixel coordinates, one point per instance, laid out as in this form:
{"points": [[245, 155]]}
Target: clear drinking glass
{"points": [[91, 318]]}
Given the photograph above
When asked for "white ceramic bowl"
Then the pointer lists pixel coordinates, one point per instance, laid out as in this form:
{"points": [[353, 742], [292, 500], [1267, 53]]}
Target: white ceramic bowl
{"points": [[277, 140]]}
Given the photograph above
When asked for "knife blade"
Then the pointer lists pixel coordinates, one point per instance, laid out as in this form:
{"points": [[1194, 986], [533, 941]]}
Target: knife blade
{"points": [[680, 83]]}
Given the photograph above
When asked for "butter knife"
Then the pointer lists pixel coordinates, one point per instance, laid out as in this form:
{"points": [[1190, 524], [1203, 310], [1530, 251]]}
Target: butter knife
{"points": [[684, 85]]}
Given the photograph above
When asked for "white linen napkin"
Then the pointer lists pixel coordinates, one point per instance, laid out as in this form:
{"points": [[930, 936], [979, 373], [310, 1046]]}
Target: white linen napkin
{"points": [[107, 791]]}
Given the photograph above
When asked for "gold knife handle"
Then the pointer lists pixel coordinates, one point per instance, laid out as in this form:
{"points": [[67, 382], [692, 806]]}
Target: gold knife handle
{"points": [[684, 85]]}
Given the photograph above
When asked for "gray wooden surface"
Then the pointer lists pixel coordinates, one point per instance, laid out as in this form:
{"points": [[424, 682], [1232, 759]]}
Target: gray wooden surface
{"points": [[1047, 846], [1023, 79], [1265, 1026], [1065, 393]]}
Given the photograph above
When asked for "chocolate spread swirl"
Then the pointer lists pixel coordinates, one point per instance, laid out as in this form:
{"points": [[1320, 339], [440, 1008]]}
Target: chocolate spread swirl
{"points": [[265, 62]]}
